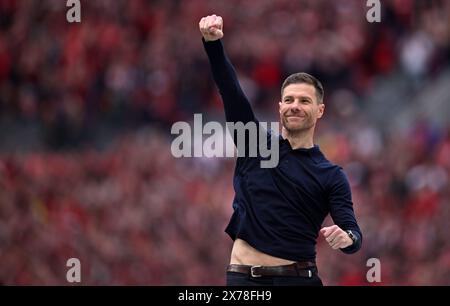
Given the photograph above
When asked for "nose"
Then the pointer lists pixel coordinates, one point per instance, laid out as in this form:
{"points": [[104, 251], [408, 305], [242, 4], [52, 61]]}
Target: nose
{"points": [[295, 107]]}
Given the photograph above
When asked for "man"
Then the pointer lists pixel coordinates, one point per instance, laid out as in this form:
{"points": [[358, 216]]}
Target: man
{"points": [[278, 211]]}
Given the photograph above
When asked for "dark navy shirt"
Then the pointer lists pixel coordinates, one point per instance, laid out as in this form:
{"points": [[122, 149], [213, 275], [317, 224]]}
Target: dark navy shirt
{"points": [[279, 211]]}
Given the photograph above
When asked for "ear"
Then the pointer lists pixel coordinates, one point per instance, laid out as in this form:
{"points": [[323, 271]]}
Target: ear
{"points": [[279, 107], [321, 110]]}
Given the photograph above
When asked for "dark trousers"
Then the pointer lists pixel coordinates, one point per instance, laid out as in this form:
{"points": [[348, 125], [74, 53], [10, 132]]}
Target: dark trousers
{"points": [[241, 279]]}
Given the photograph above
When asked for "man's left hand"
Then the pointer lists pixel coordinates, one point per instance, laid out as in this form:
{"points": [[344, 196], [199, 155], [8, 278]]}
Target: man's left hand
{"points": [[336, 237]]}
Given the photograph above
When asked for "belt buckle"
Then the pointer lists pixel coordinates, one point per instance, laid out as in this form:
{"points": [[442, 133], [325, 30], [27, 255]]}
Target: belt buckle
{"points": [[252, 273]]}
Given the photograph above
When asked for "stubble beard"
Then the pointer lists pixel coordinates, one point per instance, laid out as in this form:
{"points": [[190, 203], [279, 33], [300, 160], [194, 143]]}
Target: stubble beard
{"points": [[304, 126]]}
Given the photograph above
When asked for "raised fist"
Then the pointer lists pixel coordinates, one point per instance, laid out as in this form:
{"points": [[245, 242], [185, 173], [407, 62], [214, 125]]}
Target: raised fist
{"points": [[211, 27]]}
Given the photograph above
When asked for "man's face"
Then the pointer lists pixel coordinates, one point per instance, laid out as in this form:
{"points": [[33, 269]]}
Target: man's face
{"points": [[299, 108]]}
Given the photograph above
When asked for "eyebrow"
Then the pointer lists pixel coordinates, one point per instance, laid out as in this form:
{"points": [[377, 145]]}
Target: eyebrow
{"points": [[301, 97]]}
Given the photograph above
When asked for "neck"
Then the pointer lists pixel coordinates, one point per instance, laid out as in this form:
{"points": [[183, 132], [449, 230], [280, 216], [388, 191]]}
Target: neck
{"points": [[299, 139]]}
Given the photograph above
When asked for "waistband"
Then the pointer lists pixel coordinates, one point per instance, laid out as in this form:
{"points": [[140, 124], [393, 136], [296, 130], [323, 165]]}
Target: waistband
{"points": [[304, 269]]}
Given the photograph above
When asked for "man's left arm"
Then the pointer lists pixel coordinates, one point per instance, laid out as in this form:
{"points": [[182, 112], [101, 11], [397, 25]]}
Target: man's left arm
{"points": [[345, 234]]}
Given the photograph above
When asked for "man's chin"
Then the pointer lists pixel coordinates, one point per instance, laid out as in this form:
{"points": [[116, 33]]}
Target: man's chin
{"points": [[293, 128]]}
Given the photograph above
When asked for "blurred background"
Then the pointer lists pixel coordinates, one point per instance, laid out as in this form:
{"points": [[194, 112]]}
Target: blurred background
{"points": [[86, 110]]}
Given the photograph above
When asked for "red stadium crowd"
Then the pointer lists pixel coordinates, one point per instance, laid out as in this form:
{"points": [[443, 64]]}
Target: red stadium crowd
{"points": [[135, 215]]}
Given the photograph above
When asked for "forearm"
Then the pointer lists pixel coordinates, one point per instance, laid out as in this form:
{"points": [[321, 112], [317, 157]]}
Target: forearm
{"points": [[341, 210], [236, 104]]}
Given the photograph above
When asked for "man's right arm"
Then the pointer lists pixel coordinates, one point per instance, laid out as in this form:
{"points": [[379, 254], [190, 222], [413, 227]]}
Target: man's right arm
{"points": [[236, 104]]}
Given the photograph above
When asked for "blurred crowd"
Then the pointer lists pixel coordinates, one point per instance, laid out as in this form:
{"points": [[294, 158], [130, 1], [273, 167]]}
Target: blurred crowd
{"points": [[131, 212], [131, 215]]}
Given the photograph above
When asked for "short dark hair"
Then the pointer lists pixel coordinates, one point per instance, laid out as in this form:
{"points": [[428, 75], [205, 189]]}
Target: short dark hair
{"points": [[303, 77]]}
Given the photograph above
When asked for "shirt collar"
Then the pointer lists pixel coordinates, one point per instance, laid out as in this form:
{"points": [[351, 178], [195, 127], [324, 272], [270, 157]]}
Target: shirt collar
{"points": [[314, 149]]}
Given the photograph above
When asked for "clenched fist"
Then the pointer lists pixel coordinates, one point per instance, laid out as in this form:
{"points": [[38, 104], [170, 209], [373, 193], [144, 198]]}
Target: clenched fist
{"points": [[336, 237], [211, 27]]}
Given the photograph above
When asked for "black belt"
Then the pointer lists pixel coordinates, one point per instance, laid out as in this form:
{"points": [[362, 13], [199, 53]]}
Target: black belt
{"points": [[304, 269]]}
